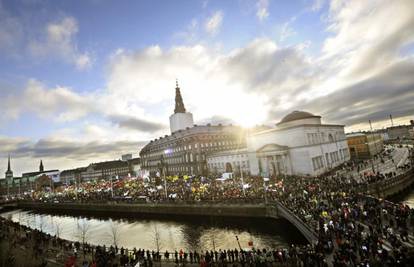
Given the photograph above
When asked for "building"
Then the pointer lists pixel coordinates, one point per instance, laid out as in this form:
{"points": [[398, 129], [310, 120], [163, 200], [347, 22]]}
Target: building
{"points": [[364, 145], [52, 174], [126, 157], [12, 185], [400, 132], [72, 175], [105, 170], [299, 145], [185, 150], [102, 171], [235, 161]]}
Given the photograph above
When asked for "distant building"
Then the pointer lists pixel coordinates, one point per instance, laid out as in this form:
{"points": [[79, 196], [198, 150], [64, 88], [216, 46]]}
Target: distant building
{"points": [[102, 171], [134, 165], [126, 157], [72, 175], [13, 185], [53, 174], [400, 132], [364, 145], [105, 170], [185, 150], [235, 161], [299, 145]]}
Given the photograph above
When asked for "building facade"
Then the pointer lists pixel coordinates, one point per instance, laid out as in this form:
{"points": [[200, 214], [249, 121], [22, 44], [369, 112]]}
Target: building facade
{"points": [[234, 161], [102, 171], [364, 145], [185, 150], [400, 132], [299, 145], [12, 186]]}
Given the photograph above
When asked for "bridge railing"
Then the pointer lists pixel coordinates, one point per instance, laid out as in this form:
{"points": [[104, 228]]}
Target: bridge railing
{"points": [[302, 226], [387, 183]]}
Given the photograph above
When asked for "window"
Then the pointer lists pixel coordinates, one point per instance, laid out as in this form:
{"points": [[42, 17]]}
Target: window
{"points": [[317, 163], [309, 138]]}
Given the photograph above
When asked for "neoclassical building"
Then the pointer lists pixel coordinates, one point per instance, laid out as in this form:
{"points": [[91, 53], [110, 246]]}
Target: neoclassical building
{"points": [[299, 145], [184, 151]]}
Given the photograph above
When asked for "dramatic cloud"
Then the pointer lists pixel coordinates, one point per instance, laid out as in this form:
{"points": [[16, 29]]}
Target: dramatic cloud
{"points": [[59, 40], [364, 71], [213, 24], [262, 6], [365, 39], [137, 124], [60, 103]]}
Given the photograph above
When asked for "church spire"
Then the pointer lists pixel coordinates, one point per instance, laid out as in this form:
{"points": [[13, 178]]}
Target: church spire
{"points": [[8, 165], [179, 104], [41, 169], [9, 172]]}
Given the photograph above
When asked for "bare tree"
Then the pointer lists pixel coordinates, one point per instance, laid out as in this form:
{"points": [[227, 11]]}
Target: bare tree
{"points": [[114, 233], [83, 228], [41, 223], [58, 229], [157, 239]]}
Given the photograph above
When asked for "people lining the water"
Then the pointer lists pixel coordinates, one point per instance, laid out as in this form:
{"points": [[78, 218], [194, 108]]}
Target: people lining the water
{"points": [[352, 228]]}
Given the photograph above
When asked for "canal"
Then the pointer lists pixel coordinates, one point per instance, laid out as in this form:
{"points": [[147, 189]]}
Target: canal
{"points": [[204, 233]]}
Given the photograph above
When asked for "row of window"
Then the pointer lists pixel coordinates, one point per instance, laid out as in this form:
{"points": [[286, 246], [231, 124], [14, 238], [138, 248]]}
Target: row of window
{"points": [[317, 138], [222, 165], [331, 157], [204, 146], [317, 163]]}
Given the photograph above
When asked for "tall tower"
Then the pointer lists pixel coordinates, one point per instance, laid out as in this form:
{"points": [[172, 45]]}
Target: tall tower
{"points": [[9, 172], [181, 119], [41, 169]]}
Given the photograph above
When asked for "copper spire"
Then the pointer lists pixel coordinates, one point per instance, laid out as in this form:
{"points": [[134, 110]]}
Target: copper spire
{"points": [[8, 165], [179, 104], [41, 166]]}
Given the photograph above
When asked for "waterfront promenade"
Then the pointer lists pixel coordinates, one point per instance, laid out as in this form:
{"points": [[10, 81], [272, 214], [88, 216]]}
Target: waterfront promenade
{"points": [[341, 217]]}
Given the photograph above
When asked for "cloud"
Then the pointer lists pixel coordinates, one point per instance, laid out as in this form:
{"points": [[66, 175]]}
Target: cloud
{"points": [[286, 30], [317, 5], [60, 103], [137, 123], [213, 23], [190, 34], [389, 92], [59, 40], [365, 39], [262, 9]]}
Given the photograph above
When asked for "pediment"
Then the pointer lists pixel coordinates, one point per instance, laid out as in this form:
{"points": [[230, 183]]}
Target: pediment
{"points": [[272, 148]]}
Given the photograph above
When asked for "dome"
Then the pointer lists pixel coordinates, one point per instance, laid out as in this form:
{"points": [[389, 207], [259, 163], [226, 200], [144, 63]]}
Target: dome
{"points": [[297, 115]]}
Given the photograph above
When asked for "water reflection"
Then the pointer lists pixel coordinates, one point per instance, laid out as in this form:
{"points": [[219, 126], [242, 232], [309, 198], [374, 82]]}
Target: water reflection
{"points": [[174, 234]]}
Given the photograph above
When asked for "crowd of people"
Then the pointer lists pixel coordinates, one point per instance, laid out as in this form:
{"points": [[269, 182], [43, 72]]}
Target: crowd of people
{"points": [[41, 249], [352, 228]]}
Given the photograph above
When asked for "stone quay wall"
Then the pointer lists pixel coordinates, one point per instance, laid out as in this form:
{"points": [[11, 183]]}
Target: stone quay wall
{"points": [[221, 210]]}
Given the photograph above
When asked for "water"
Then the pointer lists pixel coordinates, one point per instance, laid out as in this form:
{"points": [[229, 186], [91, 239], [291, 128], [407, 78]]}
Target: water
{"points": [[175, 233]]}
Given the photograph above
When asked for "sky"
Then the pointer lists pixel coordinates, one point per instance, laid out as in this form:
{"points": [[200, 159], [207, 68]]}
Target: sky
{"points": [[87, 81]]}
